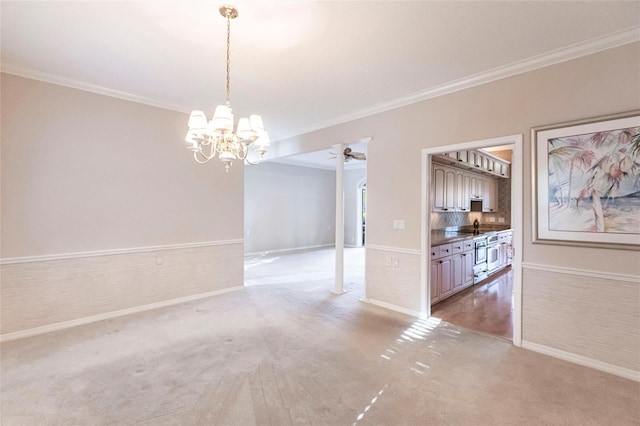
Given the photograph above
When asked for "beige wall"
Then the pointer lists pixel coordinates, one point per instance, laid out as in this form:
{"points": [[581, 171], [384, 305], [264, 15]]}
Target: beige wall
{"points": [[603, 83], [82, 172], [288, 207], [599, 84]]}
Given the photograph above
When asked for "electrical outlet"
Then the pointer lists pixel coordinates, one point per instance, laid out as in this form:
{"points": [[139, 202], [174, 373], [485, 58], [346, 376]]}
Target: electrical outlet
{"points": [[395, 262], [398, 224], [501, 220], [492, 219], [158, 260], [388, 261]]}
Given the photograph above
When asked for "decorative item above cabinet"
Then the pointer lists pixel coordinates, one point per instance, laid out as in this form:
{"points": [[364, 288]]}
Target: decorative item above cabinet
{"points": [[481, 162]]}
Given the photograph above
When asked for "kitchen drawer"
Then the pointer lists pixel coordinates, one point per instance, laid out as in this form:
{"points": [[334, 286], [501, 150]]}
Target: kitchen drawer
{"points": [[457, 247], [468, 245], [505, 237], [440, 251]]}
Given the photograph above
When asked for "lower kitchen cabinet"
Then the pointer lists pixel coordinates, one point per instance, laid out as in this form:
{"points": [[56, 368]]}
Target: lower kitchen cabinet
{"points": [[467, 268], [450, 273]]}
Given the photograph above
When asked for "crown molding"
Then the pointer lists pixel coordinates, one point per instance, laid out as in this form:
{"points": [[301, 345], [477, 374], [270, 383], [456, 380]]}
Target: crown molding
{"points": [[88, 87], [564, 54], [557, 56]]}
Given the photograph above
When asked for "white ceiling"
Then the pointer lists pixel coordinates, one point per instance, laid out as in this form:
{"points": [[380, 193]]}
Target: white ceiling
{"points": [[302, 65]]}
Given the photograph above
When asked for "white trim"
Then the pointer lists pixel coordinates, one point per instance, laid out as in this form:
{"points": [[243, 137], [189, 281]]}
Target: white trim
{"points": [[393, 307], [93, 88], [97, 253], [516, 220], [557, 56], [574, 51], [289, 250], [581, 360], [393, 249], [583, 272], [113, 314], [360, 186]]}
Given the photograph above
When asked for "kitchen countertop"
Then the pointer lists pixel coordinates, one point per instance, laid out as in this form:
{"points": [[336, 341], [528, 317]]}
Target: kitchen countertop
{"points": [[441, 236]]}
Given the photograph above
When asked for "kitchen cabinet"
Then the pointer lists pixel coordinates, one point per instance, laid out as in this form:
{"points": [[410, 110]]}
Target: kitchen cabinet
{"points": [[478, 161], [445, 277], [504, 171], [502, 255], [505, 249], [505, 238], [434, 282], [463, 191], [452, 190], [444, 184], [467, 268], [490, 195], [477, 186], [451, 269]]}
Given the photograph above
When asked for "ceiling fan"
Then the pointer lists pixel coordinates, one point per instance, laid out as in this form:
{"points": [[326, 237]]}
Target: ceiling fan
{"points": [[350, 154]]}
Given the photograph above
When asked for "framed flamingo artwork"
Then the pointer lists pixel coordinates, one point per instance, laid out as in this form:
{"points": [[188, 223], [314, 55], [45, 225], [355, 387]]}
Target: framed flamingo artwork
{"points": [[586, 182]]}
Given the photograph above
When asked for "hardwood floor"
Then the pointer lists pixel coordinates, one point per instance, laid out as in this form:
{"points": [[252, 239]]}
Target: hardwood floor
{"points": [[486, 307]]}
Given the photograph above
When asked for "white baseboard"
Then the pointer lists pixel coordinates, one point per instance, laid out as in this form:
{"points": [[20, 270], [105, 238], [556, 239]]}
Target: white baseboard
{"points": [[289, 250], [109, 315], [393, 307], [581, 360]]}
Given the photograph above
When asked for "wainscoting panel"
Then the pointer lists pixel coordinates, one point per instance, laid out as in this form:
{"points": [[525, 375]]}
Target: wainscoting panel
{"points": [[40, 293], [393, 277], [591, 315]]}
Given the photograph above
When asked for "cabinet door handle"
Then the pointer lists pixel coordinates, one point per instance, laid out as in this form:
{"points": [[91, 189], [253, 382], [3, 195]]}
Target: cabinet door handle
{"points": [[433, 254], [441, 261], [445, 209]]}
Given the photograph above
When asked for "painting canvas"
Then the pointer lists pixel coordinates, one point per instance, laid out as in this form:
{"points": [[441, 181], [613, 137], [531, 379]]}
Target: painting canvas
{"points": [[588, 182]]}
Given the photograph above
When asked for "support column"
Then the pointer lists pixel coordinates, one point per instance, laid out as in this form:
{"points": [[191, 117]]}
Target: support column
{"points": [[339, 279]]}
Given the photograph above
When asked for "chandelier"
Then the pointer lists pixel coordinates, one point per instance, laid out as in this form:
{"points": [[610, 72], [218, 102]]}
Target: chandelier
{"points": [[208, 138]]}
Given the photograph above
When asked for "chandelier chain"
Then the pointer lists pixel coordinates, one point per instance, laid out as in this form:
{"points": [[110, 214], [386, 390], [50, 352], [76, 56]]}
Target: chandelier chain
{"points": [[228, 59]]}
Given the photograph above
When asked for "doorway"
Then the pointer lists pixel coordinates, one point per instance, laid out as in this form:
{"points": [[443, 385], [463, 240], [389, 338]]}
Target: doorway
{"points": [[298, 194], [515, 274], [361, 222]]}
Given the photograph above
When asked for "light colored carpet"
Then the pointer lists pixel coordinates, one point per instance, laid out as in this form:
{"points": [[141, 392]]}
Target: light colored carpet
{"points": [[293, 353]]}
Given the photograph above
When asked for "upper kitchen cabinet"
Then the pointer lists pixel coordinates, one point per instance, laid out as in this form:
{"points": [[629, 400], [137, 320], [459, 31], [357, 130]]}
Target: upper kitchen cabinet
{"points": [[453, 189], [478, 161], [444, 193]]}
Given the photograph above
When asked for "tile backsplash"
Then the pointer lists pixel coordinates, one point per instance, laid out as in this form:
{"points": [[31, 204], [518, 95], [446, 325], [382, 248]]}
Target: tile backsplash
{"points": [[445, 220]]}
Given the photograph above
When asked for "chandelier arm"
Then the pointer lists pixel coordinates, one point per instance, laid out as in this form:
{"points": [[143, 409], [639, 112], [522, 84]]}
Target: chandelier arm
{"points": [[254, 163], [206, 159]]}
